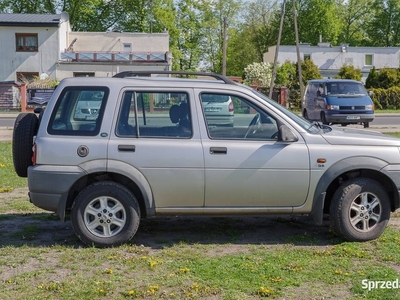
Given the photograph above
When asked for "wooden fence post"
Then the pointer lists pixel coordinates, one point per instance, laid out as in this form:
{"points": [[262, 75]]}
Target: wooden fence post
{"points": [[23, 97]]}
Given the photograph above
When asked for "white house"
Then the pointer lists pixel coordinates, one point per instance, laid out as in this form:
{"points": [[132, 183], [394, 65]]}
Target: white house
{"points": [[44, 45], [330, 59]]}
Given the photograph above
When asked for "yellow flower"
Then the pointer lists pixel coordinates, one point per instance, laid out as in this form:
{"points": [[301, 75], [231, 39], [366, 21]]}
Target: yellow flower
{"points": [[195, 286], [184, 270], [152, 263], [276, 279]]}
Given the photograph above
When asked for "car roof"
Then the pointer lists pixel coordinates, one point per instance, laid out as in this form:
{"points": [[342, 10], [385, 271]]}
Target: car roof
{"points": [[156, 82], [332, 80]]}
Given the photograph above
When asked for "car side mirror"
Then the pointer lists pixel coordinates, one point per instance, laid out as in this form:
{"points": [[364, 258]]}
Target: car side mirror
{"points": [[370, 93], [286, 134]]}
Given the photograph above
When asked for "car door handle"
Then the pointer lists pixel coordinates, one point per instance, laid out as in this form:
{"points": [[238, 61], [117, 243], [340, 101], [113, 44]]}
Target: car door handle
{"points": [[218, 150], [126, 148]]}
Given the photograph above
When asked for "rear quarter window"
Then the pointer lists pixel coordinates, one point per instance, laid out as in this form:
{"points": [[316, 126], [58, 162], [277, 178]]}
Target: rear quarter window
{"points": [[78, 111]]}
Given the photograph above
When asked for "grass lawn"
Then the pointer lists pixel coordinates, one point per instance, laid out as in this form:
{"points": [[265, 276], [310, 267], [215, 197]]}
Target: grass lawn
{"points": [[187, 258]]}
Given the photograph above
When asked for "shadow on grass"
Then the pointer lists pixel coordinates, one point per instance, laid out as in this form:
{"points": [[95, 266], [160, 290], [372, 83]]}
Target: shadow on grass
{"points": [[45, 229]]}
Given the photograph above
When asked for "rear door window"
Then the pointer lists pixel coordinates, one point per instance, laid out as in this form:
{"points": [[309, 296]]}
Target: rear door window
{"points": [[155, 114]]}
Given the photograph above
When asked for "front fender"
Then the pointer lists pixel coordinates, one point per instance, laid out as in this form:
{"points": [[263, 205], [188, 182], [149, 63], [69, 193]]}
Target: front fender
{"points": [[338, 168]]}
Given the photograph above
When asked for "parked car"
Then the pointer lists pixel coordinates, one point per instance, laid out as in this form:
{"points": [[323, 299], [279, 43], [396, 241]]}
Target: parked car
{"points": [[133, 161], [337, 101], [88, 105], [218, 108]]}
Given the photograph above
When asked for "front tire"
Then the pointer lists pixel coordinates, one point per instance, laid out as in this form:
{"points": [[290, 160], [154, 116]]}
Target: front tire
{"points": [[360, 210], [305, 115], [323, 119], [105, 214]]}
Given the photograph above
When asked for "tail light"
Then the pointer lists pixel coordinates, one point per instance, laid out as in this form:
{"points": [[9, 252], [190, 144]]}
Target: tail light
{"points": [[34, 150], [230, 106]]}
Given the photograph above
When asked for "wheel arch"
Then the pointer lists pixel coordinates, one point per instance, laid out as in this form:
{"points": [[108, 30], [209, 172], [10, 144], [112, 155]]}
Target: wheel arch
{"points": [[124, 174], [344, 170]]}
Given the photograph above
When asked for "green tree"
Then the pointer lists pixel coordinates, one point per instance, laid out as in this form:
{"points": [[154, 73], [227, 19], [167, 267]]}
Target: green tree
{"points": [[309, 71], [258, 19], [371, 81], [388, 78], [349, 72], [93, 15], [240, 52], [286, 75], [28, 6], [251, 35], [383, 28], [315, 19], [352, 14], [213, 16], [188, 54]]}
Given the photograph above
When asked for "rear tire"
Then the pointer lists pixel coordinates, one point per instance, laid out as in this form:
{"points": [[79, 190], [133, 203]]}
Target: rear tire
{"points": [[25, 128], [105, 214], [360, 209], [366, 124]]}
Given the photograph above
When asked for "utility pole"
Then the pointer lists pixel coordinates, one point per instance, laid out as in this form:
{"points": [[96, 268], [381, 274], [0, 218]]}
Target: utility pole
{"points": [[224, 47], [271, 86], [297, 49]]}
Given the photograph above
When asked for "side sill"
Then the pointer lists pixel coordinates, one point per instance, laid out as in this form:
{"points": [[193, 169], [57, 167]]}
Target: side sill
{"points": [[223, 210]]}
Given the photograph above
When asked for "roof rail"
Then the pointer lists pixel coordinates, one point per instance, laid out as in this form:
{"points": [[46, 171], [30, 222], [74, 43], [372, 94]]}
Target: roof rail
{"points": [[182, 73]]}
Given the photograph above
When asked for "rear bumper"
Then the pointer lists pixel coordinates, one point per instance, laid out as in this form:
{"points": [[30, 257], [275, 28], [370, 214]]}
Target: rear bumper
{"points": [[49, 186]]}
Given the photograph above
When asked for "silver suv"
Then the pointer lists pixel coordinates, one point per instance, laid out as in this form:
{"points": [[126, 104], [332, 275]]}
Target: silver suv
{"points": [[151, 150]]}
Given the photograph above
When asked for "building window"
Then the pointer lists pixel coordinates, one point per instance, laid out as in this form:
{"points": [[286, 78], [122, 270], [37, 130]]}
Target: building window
{"points": [[307, 56], [127, 47], [368, 59], [27, 76], [83, 74], [26, 42]]}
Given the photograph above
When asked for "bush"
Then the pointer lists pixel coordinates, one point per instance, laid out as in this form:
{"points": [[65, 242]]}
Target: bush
{"points": [[386, 98], [349, 72], [258, 74], [385, 78], [285, 75]]}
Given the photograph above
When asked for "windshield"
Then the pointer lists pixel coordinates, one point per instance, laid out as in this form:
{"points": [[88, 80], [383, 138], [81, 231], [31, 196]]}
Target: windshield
{"points": [[311, 127], [345, 88]]}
